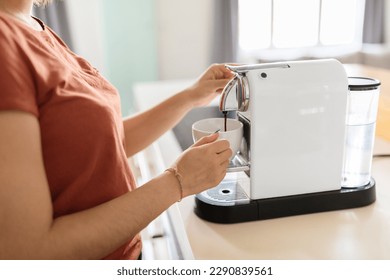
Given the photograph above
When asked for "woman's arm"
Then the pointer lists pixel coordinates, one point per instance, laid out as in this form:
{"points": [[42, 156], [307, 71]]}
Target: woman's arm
{"points": [[141, 130], [28, 230]]}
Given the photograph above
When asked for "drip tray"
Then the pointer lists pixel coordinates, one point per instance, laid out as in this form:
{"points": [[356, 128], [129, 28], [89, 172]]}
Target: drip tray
{"points": [[225, 194], [229, 203]]}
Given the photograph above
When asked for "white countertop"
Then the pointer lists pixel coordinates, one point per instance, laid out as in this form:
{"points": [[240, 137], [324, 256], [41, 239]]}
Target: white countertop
{"points": [[359, 233]]}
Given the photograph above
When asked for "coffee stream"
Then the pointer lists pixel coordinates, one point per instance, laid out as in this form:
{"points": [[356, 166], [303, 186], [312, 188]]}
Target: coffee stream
{"points": [[225, 116]]}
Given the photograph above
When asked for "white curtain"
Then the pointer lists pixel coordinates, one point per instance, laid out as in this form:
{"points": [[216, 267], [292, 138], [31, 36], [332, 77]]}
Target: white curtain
{"points": [[225, 31], [374, 21], [55, 16]]}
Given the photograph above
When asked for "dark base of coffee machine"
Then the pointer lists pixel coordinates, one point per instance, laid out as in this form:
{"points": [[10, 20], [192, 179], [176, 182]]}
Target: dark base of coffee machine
{"points": [[262, 209]]}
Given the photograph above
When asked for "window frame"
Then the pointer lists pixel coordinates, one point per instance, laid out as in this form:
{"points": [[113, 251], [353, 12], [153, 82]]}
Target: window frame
{"points": [[319, 50]]}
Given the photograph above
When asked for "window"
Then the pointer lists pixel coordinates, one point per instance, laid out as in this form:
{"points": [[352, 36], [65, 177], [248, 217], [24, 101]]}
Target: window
{"points": [[283, 29]]}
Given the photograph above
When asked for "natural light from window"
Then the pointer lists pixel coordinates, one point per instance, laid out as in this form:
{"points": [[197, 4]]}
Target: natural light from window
{"points": [[255, 24], [292, 24], [338, 22]]}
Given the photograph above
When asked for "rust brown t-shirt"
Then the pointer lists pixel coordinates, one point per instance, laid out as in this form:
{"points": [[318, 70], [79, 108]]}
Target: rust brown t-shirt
{"points": [[79, 116]]}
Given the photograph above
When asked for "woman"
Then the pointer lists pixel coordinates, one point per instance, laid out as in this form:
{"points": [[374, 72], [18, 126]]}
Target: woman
{"points": [[66, 191]]}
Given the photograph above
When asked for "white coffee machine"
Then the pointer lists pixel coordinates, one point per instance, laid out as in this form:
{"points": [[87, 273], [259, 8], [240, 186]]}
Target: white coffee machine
{"points": [[291, 159]]}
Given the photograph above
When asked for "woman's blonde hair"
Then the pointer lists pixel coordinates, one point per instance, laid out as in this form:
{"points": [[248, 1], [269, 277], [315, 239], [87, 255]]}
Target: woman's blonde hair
{"points": [[41, 2]]}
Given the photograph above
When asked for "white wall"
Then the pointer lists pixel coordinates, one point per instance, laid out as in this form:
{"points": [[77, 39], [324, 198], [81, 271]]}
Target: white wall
{"points": [[184, 37], [85, 19]]}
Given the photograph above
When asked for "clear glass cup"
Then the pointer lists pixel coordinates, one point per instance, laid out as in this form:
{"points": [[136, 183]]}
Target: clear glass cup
{"points": [[363, 97]]}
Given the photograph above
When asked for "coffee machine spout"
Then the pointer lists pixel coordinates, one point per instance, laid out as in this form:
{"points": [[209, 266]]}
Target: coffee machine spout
{"points": [[228, 101], [235, 95]]}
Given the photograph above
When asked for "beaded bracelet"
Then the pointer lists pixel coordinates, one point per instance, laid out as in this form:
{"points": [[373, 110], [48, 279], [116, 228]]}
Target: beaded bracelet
{"points": [[174, 171]]}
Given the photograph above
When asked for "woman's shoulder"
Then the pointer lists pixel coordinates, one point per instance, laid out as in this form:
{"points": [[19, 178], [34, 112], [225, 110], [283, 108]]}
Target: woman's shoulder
{"points": [[18, 40], [10, 36], [12, 31], [6, 25]]}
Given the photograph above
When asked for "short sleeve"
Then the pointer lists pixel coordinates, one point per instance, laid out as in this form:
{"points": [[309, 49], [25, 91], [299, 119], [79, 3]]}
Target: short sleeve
{"points": [[17, 87]]}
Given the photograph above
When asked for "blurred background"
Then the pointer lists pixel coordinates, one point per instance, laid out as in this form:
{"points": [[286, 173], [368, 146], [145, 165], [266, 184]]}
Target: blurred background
{"points": [[132, 41]]}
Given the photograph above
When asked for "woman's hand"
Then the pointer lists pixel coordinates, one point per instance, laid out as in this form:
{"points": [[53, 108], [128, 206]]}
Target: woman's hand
{"points": [[204, 164], [209, 85]]}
